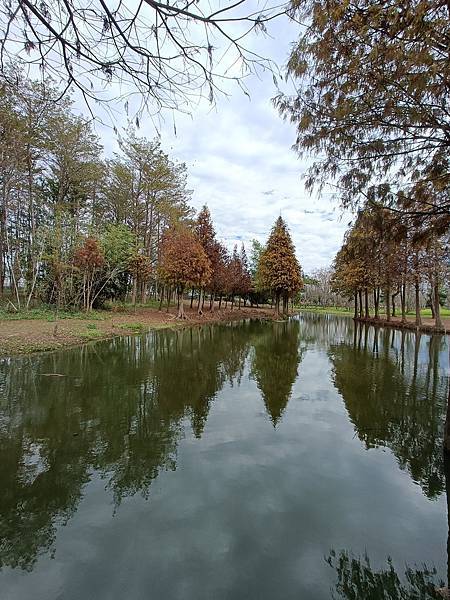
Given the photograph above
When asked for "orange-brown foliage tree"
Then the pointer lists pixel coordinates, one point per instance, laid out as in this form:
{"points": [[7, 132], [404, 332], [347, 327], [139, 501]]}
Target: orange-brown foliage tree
{"points": [[90, 261], [280, 269], [183, 263]]}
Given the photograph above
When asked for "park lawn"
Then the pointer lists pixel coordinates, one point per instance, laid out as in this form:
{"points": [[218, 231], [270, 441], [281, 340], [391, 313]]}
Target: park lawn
{"points": [[425, 312]]}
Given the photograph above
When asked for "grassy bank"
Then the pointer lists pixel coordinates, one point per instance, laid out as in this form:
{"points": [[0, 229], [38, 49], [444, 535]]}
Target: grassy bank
{"points": [[332, 310], [37, 330], [428, 325], [425, 312]]}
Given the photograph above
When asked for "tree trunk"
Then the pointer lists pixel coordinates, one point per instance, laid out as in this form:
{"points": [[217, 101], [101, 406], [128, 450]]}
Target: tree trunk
{"points": [[239, 305], [432, 305], [201, 299], [366, 303], [220, 301], [403, 301], [355, 315], [143, 292], [387, 300], [3, 241], [277, 305], [376, 301], [394, 295], [437, 307], [192, 297], [134, 291], [417, 302], [181, 314], [360, 304]]}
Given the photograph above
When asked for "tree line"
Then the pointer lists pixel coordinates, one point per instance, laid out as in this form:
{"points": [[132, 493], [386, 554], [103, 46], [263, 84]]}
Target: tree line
{"points": [[77, 229], [384, 255]]}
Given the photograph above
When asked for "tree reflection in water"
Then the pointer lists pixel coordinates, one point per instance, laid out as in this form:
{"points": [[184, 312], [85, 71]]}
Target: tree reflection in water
{"points": [[122, 408], [119, 411], [357, 580], [275, 362], [395, 395]]}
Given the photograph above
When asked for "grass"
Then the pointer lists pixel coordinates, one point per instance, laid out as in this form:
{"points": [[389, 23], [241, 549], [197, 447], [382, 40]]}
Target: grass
{"points": [[45, 313], [425, 312], [91, 333], [337, 310], [134, 327]]}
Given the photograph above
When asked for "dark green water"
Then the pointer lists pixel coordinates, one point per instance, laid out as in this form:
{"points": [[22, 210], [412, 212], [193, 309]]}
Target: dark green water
{"points": [[246, 461]]}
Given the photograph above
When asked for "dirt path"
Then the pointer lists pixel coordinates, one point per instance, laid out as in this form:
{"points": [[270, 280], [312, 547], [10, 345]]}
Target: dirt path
{"points": [[25, 336]]}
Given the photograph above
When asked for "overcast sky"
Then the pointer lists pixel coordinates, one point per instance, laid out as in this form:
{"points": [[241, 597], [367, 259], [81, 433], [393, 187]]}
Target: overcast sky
{"points": [[241, 164]]}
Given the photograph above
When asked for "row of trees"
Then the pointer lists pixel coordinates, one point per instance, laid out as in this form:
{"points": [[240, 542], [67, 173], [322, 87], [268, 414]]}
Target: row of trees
{"points": [[76, 229], [194, 258], [372, 107], [384, 255]]}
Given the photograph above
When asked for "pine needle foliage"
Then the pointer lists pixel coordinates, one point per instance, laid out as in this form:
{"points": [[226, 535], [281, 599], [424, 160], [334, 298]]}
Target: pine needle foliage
{"points": [[279, 267]]}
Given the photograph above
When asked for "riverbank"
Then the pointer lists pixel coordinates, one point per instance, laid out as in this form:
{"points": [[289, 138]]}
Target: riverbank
{"points": [[26, 336], [427, 325]]}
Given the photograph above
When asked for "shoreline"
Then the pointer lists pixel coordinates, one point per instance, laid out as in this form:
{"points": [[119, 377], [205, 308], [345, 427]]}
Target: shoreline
{"points": [[29, 336], [427, 325], [397, 323]]}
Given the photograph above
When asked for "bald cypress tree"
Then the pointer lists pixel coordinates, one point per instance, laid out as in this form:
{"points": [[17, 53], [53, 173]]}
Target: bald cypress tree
{"points": [[206, 235], [280, 269]]}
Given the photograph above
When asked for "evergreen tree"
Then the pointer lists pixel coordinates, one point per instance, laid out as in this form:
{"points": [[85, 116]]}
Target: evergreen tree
{"points": [[206, 235], [280, 269]]}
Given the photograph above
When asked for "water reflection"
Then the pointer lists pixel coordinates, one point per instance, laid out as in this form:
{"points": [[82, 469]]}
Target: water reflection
{"points": [[394, 392], [356, 579], [119, 410], [275, 365]]}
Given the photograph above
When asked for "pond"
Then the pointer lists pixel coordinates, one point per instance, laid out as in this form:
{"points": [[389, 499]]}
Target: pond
{"points": [[254, 460]]}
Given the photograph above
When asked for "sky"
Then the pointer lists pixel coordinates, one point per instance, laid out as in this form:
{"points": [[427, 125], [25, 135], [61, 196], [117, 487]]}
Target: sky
{"points": [[241, 164]]}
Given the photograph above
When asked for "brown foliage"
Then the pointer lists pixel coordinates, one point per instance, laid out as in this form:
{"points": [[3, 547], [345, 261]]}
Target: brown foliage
{"points": [[89, 256], [183, 261], [280, 269]]}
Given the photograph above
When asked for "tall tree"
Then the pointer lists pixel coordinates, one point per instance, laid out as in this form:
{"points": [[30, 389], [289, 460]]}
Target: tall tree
{"points": [[245, 284], [183, 263], [280, 269], [373, 99], [206, 235]]}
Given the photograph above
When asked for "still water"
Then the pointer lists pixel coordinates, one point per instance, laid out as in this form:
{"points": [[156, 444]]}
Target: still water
{"points": [[297, 460]]}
